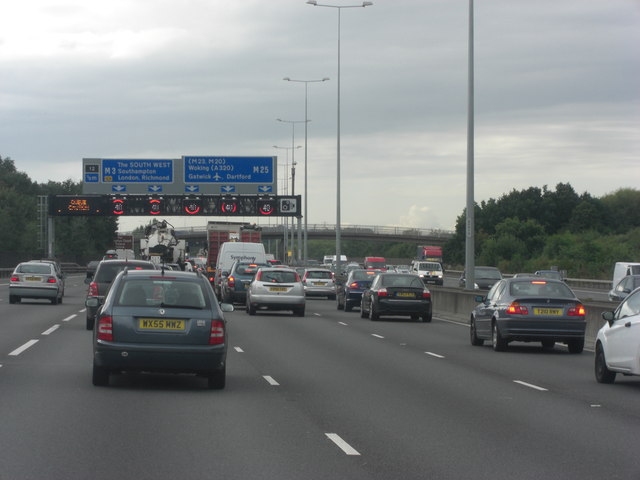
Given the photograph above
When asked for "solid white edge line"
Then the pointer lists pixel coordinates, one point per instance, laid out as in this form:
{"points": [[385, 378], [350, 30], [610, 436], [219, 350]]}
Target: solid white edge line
{"points": [[434, 354], [51, 330], [535, 387], [344, 446], [376, 335], [270, 380], [69, 317], [238, 349], [21, 349]]}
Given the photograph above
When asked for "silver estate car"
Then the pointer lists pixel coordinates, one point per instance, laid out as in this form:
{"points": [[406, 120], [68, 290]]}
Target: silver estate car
{"points": [[277, 288], [319, 282], [160, 321], [36, 279]]}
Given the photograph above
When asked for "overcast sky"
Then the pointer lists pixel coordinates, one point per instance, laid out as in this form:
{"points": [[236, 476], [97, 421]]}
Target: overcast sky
{"points": [[557, 89]]}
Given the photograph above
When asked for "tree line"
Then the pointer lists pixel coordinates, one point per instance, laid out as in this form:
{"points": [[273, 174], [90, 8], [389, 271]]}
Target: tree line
{"points": [[77, 239], [536, 228]]}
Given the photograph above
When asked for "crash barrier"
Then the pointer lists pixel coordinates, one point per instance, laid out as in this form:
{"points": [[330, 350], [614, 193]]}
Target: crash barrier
{"points": [[456, 305]]}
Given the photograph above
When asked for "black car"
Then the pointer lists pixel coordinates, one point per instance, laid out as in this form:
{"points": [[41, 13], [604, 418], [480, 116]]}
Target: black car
{"points": [[397, 294], [349, 291], [99, 285], [233, 287], [160, 321], [485, 277], [529, 310]]}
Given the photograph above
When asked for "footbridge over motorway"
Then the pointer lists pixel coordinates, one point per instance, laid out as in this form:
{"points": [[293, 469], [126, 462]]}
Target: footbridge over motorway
{"points": [[196, 236]]}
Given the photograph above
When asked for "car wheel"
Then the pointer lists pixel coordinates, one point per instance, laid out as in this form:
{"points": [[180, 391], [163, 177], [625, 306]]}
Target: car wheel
{"points": [[576, 345], [499, 344], [473, 334], [13, 299], [299, 312], [217, 380], [603, 374], [415, 317], [54, 300], [427, 318], [348, 307], [100, 376], [373, 315], [363, 312], [90, 322], [548, 344], [251, 310]]}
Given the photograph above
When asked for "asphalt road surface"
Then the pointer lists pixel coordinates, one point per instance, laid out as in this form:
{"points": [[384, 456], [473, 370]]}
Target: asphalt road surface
{"points": [[327, 396]]}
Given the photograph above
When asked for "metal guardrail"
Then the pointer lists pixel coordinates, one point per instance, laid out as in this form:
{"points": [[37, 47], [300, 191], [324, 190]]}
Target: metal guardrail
{"points": [[345, 228]]}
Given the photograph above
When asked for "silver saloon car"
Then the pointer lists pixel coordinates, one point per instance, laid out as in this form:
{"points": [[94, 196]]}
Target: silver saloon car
{"points": [[276, 289], [35, 279]]}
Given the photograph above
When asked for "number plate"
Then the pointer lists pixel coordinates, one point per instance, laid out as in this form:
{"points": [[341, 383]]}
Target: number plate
{"points": [[406, 295], [320, 284], [277, 289], [33, 279], [547, 311], [161, 324]]}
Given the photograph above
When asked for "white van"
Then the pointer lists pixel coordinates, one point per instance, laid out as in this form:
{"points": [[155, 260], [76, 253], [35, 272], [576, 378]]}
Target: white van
{"points": [[232, 251], [429, 272], [622, 269]]}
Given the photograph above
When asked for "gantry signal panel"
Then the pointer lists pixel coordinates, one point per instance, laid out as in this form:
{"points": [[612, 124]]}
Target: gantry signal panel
{"points": [[175, 205]]}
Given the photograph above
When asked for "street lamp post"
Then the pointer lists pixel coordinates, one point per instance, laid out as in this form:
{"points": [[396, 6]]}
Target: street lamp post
{"points": [[293, 175], [286, 190], [305, 255], [338, 226]]}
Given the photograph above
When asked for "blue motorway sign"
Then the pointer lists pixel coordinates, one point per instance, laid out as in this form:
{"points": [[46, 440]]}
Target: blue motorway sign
{"points": [[137, 171], [229, 170]]}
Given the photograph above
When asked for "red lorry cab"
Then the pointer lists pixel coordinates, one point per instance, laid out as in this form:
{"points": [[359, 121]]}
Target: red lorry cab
{"points": [[375, 263]]}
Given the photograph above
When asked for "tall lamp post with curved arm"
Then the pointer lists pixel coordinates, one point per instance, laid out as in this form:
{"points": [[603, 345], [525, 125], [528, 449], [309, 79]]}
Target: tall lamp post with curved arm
{"points": [[305, 255], [293, 178], [286, 190], [338, 226]]}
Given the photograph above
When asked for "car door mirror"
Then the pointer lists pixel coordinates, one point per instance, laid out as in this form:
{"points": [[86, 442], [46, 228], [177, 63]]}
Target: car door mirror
{"points": [[226, 307], [480, 298], [609, 317]]}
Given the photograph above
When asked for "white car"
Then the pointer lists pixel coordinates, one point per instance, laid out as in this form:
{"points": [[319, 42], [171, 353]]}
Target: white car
{"points": [[277, 288], [618, 341]]}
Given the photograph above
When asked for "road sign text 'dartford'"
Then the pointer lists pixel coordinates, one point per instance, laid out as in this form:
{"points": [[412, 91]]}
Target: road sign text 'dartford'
{"points": [[229, 170]]}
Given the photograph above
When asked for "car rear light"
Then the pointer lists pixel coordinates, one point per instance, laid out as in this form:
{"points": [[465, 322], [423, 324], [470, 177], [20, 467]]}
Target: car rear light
{"points": [[297, 277], [105, 328], [259, 276], [211, 278], [51, 280], [217, 333], [15, 279], [577, 311], [304, 279], [354, 285], [93, 289], [426, 293], [382, 292], [516, 309]]}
